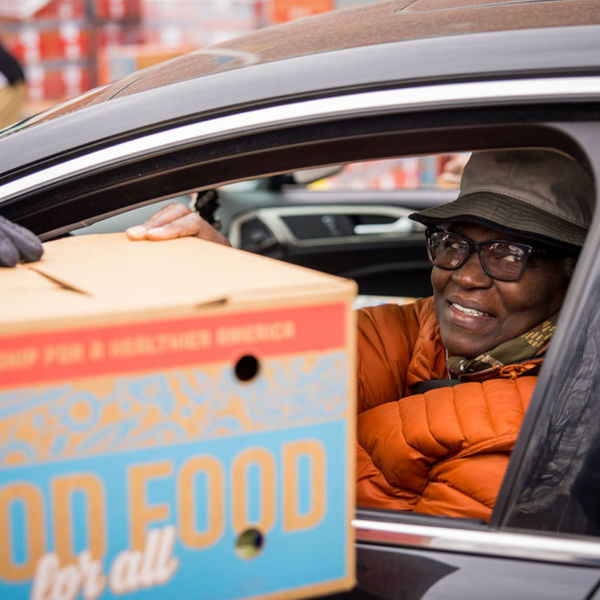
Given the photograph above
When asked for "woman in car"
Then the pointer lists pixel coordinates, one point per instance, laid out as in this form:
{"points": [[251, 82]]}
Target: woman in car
{"points": [[443, 383]]}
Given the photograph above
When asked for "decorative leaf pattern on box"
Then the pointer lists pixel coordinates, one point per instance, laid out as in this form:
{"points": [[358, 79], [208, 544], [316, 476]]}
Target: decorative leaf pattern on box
{"points": [[176, 407]]}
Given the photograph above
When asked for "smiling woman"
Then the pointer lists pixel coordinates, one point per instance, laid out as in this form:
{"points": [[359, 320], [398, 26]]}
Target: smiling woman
{"points": [[474, 349], [477, 311], [509, 285]]}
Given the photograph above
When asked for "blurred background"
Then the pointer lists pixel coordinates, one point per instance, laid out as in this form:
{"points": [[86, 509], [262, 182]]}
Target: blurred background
{"points": [[53, 50], [66, 47]]}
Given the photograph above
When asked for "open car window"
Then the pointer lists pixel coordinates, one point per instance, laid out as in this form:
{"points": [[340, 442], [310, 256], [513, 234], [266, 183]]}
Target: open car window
{"points": [[324, 217]]}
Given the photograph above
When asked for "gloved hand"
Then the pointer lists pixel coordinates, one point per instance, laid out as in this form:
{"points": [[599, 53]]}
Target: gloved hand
{"points": [[17, 244]]}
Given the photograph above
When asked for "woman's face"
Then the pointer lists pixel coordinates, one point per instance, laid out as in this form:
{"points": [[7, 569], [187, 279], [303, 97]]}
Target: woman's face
{"points": [[476, 312]]}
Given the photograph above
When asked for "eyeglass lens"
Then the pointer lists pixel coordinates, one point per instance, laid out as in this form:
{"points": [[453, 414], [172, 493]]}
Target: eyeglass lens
{"points": [[500, 259]]}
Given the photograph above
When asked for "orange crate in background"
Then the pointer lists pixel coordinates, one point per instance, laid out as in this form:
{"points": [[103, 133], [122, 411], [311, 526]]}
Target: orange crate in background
{"points": [[117, 9], [31, 43], [63, 9], [286, 10], [69, 46], [47, 83]]}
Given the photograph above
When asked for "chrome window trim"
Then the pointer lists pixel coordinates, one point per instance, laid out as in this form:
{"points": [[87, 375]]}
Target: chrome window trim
{"points": [[429, 97], [504, 544]]}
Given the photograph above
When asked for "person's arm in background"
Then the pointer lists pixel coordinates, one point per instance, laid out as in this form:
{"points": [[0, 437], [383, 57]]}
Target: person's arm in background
{"points": [[17, 244], [174, 221]]}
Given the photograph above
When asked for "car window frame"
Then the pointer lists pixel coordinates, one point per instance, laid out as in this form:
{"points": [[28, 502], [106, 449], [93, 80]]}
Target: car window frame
{"points": [[257, 148]]}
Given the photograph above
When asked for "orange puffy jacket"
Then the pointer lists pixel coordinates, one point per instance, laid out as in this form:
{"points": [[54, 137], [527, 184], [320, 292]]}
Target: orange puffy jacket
{"points": [[443, 452]]}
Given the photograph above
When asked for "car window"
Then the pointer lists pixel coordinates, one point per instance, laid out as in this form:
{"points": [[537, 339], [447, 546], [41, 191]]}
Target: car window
{"points": [[323, 217]]}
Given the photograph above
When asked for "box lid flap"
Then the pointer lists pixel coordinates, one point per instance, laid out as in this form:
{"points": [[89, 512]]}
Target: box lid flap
{"points": [[92, 274]]}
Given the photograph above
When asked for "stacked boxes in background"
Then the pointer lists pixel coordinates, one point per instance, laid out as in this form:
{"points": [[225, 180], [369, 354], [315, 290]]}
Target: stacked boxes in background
{"points": [[169, 28], [198, 23], [116, 9], [54, 47], [116, 24], [59, 42], [70, 46]]}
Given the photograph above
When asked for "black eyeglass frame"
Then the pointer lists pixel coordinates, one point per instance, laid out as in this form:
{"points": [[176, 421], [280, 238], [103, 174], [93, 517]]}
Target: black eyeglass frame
{"points": [[479, 246]]}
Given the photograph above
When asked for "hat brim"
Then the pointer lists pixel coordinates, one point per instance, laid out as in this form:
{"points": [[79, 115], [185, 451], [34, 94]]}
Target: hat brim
{"points": [[507, 215]]}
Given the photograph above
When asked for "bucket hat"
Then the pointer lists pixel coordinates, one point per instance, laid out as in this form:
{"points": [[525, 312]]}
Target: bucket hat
{"points": [[538, 195]]}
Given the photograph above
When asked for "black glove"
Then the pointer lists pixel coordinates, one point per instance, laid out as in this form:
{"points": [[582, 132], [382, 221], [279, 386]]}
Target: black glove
{"points": [[17, 244]]}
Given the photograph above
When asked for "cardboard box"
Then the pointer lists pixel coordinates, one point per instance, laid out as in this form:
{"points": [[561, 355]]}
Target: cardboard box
{"points": [[176, 421]]}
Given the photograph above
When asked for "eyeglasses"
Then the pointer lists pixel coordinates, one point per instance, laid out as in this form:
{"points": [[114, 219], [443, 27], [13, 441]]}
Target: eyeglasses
{"points": [[500, 259]]}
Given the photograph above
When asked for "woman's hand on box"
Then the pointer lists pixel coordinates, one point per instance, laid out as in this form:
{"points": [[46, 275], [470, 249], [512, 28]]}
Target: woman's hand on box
{"points": [[174, 221]]}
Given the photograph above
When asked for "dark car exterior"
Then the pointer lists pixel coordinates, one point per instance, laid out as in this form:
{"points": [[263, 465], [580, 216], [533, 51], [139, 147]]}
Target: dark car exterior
{"points": [[395, 78]]}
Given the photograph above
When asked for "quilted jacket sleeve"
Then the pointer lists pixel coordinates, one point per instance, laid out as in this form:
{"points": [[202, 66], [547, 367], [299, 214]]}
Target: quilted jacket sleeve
{"points": [[397, 346], [443, 452]]}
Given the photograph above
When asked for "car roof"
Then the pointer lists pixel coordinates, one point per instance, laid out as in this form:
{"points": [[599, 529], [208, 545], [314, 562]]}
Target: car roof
{"points": [[388, 43], [364, 25]]}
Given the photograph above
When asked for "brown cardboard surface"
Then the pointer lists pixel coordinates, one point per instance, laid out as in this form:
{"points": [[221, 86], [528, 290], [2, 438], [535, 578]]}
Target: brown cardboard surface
{"points": [[104, 274], [122, 371]]}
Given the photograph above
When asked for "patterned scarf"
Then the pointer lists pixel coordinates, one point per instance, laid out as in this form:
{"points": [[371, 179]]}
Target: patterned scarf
{"points": [[526, 346]]}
